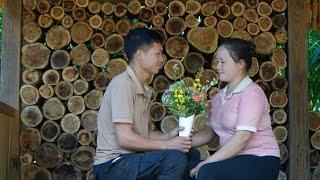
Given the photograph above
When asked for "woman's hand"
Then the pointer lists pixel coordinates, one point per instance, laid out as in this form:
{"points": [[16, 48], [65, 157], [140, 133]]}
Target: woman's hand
{"points": [[194, 171]]}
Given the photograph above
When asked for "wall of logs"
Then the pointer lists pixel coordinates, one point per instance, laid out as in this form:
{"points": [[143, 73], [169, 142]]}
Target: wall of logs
{"points": [[73, 48]]}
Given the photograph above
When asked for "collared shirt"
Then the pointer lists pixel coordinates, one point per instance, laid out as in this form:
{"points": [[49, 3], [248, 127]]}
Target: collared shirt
{"points": [[245, 108], [125, 101]]}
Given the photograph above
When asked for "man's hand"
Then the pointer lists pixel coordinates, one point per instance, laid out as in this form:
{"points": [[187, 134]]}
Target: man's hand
{"points": [[175, 132], [180, 143]]}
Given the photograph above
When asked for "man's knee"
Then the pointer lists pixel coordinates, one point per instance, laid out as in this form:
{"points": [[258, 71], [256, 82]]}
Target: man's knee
{"points": [[177, 158]]}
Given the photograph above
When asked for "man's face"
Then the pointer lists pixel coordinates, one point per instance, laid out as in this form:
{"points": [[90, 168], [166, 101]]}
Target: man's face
{"points": [[151, 60]]}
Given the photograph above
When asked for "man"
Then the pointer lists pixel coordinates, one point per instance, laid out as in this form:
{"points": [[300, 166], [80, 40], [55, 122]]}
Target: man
{"points": [[126, 146]]}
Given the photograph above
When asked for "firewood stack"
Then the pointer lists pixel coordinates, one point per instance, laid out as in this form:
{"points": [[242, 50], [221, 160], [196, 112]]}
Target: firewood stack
{"points": [[73, 48]]}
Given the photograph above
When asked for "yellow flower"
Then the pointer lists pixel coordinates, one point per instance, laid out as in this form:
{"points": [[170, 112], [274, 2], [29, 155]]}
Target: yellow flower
{"points": [[194, 85]]}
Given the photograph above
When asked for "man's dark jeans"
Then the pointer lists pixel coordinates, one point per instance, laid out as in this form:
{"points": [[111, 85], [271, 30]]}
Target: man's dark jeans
{"points": [[160, 165]]}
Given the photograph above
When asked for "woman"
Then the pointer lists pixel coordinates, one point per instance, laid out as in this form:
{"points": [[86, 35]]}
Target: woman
{"points": [[240, 117]]}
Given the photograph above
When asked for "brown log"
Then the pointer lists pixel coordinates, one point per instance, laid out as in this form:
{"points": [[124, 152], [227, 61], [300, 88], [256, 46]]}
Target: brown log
{"points": [[316, 173], [139, 25], [120, 9], [213, 144], [284, 154], [55, 2], [204, 153], [46, 91], [314, 158], [98, 40], [268, 71], [68, 5], [191, 21], [70, 74], [80, 54], [209, 8], [176, 8], [265, 23], [51, 77], [80, 87], [95, 21], [35, 56], [278, 99], [67, 142], [58, 37], [88, 72], [241, 34], [30, 139], [160, 8], [94, 7], [114, 43], [161, 32], [94, 138], [64, 90], [281, 36], [70, 123], [279, 5], [205, 39], [84, 137], [82, 3], [29, 171], [210, 21], [29, 94], [169, 123], [26, 159], [239, 23], [314, 121], [223, 11], [134, 7], [89, 175], [123, 26], [157, 111], [265, 43], [79, 14], [251, 15], [67, 171], [177, 46], [193, 7], [279, 21], [89, 120], [281, 133], [150, 3], [253, 29], [30, 76], [199, 123], [264, 86], [116, 67], [279, 83], [43, 6], [193, 61], [158, 20], [108, 26], [43, 174], [101, 81], [53, 109], [160, 83], [59, 59], [92, 99], [254, 69], [81, 32], [107, 8], [31, 116], [83, 157], [76, 105], [28, 15], [207, 76], [237, 9], [264, 9], [174, 69], [30, 4], [279, 116], [213, 92], [225, 28], [57, 13], [50, 130], [146, 14], [45, 20], [31, 32], [315, 140], [252, 3], [100, 57]]}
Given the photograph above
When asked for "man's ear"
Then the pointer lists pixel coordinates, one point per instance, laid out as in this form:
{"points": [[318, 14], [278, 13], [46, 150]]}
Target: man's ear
{"points": [[138, 54]]}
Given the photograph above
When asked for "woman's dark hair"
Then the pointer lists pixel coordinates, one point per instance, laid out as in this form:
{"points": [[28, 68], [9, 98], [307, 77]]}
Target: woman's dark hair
{"points": [[240, 50], [140, 38]]}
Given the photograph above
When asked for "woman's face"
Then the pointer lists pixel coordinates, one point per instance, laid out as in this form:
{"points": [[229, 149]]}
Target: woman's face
{"points": [[228, 70]]}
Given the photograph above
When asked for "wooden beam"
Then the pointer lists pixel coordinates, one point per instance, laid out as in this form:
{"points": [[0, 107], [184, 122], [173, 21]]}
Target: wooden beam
{"points": [[299, 166]]}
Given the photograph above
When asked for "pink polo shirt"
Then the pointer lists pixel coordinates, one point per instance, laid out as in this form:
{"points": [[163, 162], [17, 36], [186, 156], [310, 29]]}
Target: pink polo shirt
{"points": [[246, 108]]}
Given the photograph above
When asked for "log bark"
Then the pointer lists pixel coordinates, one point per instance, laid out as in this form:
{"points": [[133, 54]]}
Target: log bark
{"points": [[107, 8], [83, 158], [51, 77], [254, 69], [68, 5], [81, 32], [67, 143], [80, 54], [176, 8], [53, 109], [80, 87], [94, 7], [225, 28], [89, 175], [316, 173], [279, 83], [120, 9], [158, 20], [116, 67], [169, 123], [67, 171], [26, 159], [213, 144], [82, 3], [281, 36], [88, 72], [70, 74], [284, 154], [30, 139], [150, 3], [94, 138], [160, 8], [265, 43], [95, 21], [199, 123], [278, 99], [45, 20], [177, 46], [114, 43], [193, 7], [89, 120], [281, 133], [29, 4], [279, 116], [59, 59], [43, 174], [123, 26], [264, 9], [174, 69], [279, 21], [191, 21], [31, 116], [160, 83], [64, 90], [32, 77], [175, 25], [205, 39], [210, 21], [92, 99], [146, 14], [237, 9], [209, 8], [76, 105], [101, 81], [251, 15], [139, 25], [314, 121], [43, 6], [79, 14], [314, 158], [315, 140], [282, 175], [57, 13], [134, 7], [70, 123], [84, 137], [223, 11], [253, 29], [265, 23], [29, 94], [193, 62], [35, 56], [31, 32], [239, 23], [58, 37], [279, 5], [50, 130], [264, 85], [157, 111], [98, 40], [268, 71]]}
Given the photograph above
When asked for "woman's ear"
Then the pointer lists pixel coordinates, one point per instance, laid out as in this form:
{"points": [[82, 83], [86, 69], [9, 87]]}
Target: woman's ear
{"points": [[242, 64]]}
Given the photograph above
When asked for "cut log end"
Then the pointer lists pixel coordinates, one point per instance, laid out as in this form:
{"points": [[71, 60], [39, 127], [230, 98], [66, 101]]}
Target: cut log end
{"points": [[76, 105], [92, 99], [176, 8], [157, 111], [89, 120], [160, 83], [29, 94], [50, 130], [169, 123], [174, 69]]}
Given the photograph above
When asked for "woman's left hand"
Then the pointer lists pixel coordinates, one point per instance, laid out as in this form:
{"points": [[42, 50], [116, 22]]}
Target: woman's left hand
{"points": [[194, 171]]}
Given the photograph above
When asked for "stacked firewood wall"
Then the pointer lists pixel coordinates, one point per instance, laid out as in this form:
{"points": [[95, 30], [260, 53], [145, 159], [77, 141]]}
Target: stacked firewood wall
{"points": [[73, 48]]}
